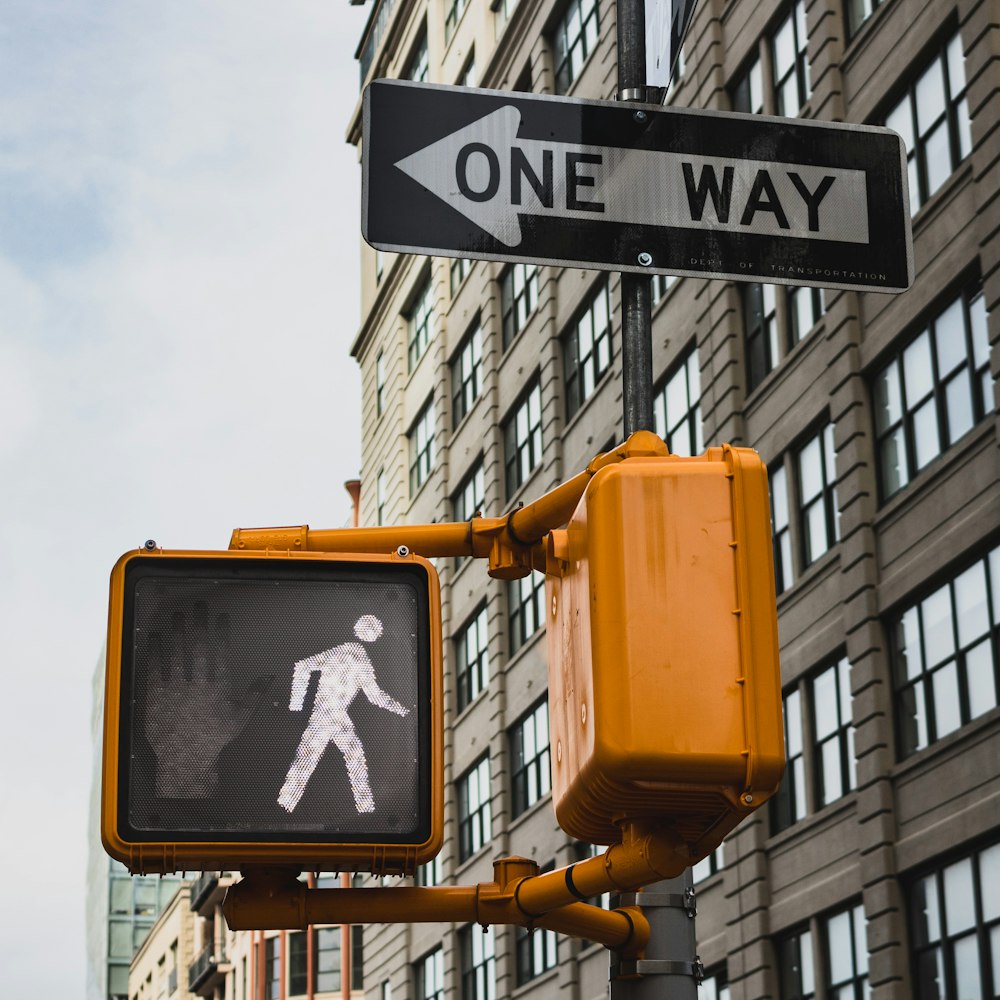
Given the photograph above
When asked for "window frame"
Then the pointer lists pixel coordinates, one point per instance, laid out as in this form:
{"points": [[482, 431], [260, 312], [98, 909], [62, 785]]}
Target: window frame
{"points": [[472, 676], [530, 759], [825, 499], [475, 813], [518, 299], [517, 451], [478, 977], [420, 321], [567, 63], [467, 371], [525, 603], [587, 352], [423, 454], [433, 961], [684, 369]]}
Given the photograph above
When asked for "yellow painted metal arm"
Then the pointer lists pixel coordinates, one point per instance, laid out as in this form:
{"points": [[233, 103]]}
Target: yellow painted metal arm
{"points": [[512, 544]]}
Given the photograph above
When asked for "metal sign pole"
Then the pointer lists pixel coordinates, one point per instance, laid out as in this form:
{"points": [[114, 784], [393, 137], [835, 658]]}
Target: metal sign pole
{"points": [[669, 966], [637, 334]]}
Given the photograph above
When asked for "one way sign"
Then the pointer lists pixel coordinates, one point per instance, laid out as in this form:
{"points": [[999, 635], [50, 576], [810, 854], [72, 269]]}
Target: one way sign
{"points": [[477, 173]]}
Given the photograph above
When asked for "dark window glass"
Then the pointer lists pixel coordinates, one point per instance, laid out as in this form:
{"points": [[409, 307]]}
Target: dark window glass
{"points": [[933, 119], [478, 952], [379, 384], [518, 298], [574, 40], [844, 938], [531, 776], [748, 90], [933, 391], [944, 652], [522, 434], [836, 771], [761, 326], [418, 68], [784, 574], [420, 323], [525, 608], [429, 975], [298, 979], [474, 809], [819, 517], [357, 957], [472, 658], [955, 928], [789, 804], [791, 65], [422, 447], [795, 965], [272, 968], [587, 349], [677, 410], [467, 374]]}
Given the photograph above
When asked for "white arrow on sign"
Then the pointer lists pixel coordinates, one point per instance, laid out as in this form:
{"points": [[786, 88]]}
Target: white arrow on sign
{"points": [[486, 173]]}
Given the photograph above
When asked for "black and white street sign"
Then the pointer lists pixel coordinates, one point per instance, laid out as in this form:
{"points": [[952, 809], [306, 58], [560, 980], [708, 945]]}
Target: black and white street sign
{"points": [[461, 172]]}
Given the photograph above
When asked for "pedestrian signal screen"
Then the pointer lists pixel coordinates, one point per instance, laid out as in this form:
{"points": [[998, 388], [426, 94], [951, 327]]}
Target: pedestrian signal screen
{"points": [[274, 701]]}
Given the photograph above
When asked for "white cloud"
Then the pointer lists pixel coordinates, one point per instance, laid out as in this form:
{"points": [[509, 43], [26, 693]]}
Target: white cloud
{"points": [[178, 294]]}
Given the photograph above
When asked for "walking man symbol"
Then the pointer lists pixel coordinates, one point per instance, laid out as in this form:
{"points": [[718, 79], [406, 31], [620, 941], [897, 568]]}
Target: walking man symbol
{"points": [[343, 671]]}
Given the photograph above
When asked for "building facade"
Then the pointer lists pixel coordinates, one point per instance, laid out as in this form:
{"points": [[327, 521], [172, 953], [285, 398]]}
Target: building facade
{"points": [[487, 384]]}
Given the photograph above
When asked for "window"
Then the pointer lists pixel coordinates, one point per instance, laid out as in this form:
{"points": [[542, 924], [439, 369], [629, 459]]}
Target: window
{"points": [[791, 65], [474, 817], [955, 928], [846, 955], [858, 11], [795, 965], [379, 265], [574, 39], [784, 575], [933, 119], [536, 951], [479, 978], [357, 957], [455, 10], [379, 384], [429, 874], [715, 985], [676, 407], [760, 325], [805, 306], [272, 968], [531, 771], [418, 68], [748, 90], [816, 468], [298, 977], [836, 768], [944, 651], [518, 299], [420, 321], [587, 349], [472, 658], [470, 498], [933, 391], [326, 958], [789, 803], [467, 78], [380, 497], [662, 283], [458, 271], [467, 373], [430, 976], [422, 451], [709, 866], [386, 990], [522, 436], [525, 608]]}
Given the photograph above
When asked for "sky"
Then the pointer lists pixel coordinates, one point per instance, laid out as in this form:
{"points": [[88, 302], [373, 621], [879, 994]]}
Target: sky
{"points": [[179, 247]]}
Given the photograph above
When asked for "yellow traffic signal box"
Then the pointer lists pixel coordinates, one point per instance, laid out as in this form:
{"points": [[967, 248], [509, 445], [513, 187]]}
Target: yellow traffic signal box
{"points": [[269, 708], [664, 684]]}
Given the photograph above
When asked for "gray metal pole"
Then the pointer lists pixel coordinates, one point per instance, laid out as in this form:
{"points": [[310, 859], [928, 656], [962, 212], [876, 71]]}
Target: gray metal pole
{"points": [[637, 338], [670, 968]]}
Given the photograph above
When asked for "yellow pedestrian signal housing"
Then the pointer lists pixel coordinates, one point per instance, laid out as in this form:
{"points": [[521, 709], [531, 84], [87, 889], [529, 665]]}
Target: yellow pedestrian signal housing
{"points": [[267, 708], [664, 684]]}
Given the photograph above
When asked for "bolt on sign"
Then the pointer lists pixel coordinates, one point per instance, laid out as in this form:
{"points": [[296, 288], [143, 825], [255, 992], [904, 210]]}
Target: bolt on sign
{"points": [[278, 709], [489, 175]]}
